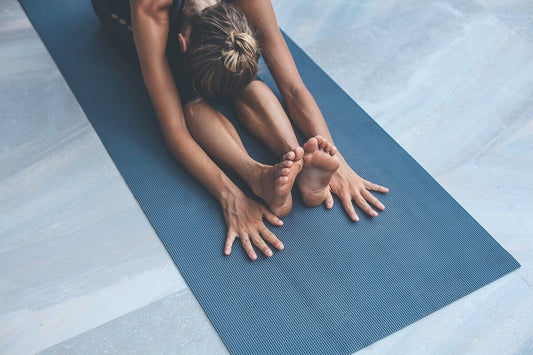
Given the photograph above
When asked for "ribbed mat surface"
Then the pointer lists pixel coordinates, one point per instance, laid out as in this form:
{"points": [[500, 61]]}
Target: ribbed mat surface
{"points": [[338, 286]]}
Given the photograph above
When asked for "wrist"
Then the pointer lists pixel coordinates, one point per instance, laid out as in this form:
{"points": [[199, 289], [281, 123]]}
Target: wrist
{"points": [[228, 193]]}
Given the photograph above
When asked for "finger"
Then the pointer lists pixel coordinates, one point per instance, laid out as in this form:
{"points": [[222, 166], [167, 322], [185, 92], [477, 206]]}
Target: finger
{"points": [[272, 218], [375, 187], [329, 200], [348, 207], [260, 244], [271, 238], [372, 199], [247, 246], [361, 202], [229, 242]]}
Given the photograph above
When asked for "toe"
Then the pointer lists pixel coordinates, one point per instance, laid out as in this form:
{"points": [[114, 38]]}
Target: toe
{"points": [[287, 163], [331, 149], [298, 153], [285, 171], [322, 142], [289, 155], [311, 145]]}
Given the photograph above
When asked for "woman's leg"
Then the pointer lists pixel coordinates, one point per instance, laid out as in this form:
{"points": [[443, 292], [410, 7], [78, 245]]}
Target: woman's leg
{"points": [[217, 136], [262, 114]]}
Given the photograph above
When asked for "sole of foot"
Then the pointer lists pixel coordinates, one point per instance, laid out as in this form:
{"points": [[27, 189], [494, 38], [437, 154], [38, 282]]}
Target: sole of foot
{"points": [[320, 163], [275, 182]]}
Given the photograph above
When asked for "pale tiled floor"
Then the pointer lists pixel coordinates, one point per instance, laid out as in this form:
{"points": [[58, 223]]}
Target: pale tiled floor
{"points": [[83, 271]]}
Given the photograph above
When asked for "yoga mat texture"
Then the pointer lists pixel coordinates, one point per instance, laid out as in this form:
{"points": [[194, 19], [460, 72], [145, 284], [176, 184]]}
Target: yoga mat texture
{"points": [[338, 286]]}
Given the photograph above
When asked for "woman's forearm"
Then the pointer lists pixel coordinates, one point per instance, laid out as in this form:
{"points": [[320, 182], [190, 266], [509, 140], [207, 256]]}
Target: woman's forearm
{"points": [[306, 114], [193, 158]]}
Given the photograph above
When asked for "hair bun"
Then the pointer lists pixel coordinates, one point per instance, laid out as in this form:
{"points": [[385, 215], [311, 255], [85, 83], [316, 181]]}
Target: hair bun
{"points": [[241, 47]]}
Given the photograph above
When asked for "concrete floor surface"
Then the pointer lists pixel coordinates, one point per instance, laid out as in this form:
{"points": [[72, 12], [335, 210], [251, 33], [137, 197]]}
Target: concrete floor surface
{"points": [[84, 272]]}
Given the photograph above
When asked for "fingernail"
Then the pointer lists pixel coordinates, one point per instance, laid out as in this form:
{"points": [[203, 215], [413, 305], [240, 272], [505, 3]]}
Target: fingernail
{"points": [[280, 246], [269, 253], [374, 213], [226, 252], [382, 206], [254, 256], [280, 222], [355, 218]]}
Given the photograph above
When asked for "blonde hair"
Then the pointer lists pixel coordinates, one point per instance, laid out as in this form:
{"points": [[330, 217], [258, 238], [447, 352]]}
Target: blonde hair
{"points": [[223, 55]]}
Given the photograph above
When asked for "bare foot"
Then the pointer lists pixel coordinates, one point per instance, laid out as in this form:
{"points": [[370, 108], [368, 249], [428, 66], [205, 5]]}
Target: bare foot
{"points": [[320, 163], [274, 183]]}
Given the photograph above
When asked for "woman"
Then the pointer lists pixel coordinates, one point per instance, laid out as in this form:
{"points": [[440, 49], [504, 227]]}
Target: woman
{"points": [[212, 42]]}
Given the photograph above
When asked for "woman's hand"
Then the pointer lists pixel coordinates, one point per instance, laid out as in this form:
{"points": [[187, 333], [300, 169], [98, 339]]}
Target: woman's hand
{"points": [[244, 219], [348, 186]]}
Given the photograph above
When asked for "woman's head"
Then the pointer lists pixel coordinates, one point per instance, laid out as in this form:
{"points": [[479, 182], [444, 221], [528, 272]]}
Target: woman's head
{"points": [[221, 53]]}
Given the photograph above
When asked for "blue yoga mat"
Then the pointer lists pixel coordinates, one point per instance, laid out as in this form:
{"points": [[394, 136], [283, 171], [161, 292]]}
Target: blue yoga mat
{"points": [[337, 286]]}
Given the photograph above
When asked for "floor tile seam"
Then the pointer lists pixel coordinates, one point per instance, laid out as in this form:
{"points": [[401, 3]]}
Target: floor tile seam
{"points": [[500, 20]]}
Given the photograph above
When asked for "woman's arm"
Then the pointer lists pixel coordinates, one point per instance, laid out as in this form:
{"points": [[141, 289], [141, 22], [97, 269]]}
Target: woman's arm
{"points": [[150, 24], [303, 110]]}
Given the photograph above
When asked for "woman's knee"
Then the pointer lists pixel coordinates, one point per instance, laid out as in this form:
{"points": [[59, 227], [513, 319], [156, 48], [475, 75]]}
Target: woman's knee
{"points": [[194, 112], [252, 94], [256, 87], [189, 110]]}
